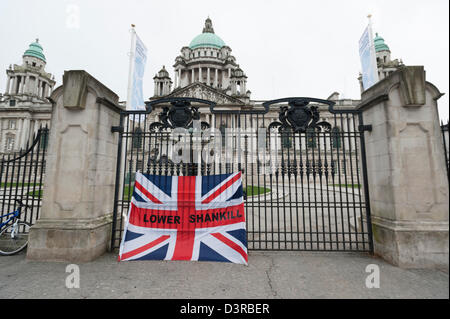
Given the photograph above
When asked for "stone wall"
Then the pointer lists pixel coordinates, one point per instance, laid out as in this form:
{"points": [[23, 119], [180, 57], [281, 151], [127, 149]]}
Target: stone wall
{"points": [[75, 223], [408, 182]]}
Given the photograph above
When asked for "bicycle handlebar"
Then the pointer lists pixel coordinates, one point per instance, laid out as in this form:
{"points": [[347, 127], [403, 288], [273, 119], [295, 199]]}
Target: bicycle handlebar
{"points": [[19, 201]]}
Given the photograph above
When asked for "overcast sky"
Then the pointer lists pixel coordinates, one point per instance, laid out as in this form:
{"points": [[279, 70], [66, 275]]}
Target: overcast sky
{"points": [[286, 48]]}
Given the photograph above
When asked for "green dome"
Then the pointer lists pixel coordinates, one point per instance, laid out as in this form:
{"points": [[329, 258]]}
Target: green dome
{"points": [[207, 38], [35, 50], [379, 44]]}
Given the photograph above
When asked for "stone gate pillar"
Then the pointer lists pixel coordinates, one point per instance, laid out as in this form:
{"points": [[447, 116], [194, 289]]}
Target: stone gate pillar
{"points": [[408, 183], [76, 215]]}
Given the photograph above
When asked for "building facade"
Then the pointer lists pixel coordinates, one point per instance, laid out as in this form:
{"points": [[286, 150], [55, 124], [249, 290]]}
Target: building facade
{"points": [[24, 107], [207, 70]]}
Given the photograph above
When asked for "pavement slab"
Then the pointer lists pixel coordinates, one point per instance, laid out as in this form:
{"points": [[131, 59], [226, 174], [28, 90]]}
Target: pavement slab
{"points": [[285, 275]]}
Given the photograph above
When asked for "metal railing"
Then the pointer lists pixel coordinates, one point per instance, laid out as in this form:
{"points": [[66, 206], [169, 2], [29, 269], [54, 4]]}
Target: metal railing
{"points": [[21, 176], [307, 191]]}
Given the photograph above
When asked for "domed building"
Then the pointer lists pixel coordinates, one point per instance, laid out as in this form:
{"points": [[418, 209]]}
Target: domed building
{"points": [[205, 69], [24, 107]]}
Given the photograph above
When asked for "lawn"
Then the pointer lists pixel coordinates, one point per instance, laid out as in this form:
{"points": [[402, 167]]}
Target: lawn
{"points": [[348, 185], [250, 190], [128, 191], [14, 184]]}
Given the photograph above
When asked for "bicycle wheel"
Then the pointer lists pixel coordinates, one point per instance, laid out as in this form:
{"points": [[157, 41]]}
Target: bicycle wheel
{"points": [[13, 242]]}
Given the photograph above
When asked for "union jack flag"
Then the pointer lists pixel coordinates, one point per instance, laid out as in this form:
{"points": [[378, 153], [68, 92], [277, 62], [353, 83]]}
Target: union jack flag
{"points": [[186, 218]]}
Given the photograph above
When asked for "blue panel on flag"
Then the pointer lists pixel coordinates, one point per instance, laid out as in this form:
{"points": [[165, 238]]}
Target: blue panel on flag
{"points": [[239, 234], [163, 182], [211, 181], [137, 197], [208, 254], [130, 235], [239, 193], [158, 254]]}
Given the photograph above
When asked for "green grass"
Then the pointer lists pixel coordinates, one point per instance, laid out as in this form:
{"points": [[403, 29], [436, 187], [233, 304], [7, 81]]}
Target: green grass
{"points": [[348, 185], [19, 184], [37, 193], [250, 190], [255, 190]]}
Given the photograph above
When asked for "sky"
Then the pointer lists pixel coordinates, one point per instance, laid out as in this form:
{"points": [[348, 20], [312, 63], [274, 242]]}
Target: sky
{"points": [[286, 48]]}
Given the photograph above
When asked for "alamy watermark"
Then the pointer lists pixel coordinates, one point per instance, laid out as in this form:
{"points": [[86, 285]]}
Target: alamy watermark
{"points": [[72, 16], [373, 279], [227, 146], [73, 279]]}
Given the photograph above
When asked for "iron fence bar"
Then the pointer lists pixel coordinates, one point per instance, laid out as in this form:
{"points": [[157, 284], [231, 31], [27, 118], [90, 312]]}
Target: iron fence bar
{"points": [[366, 183], [117, 184], [358, 179], [45, 133]]}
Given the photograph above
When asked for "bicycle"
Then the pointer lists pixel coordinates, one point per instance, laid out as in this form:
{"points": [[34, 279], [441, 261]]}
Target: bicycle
{"points": [[14, 236]]}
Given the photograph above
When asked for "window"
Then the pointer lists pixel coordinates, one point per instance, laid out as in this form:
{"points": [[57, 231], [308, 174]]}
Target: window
{"points": [[139, 166], [343, 168], [44, 140], [136, 140], [9, 145], [222, 132], [12, 102], [12, 124]]}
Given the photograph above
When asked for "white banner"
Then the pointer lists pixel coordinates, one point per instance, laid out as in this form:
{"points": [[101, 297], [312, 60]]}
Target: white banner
{"points": [[368, 58], [138, 59]]}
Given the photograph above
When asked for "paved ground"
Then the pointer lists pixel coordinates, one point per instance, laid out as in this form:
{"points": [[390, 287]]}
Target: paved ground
{"points": [[269, 275]]}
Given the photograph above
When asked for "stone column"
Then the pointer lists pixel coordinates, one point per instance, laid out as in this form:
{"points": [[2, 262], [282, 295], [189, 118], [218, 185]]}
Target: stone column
{"points": [[14, 84], [200, 75], [26, 84], [8, 85], [22, 79], [76, 215], [215, 77], [407, 175], [208, 76], [179, 79], [176, 78], [192, 76]]}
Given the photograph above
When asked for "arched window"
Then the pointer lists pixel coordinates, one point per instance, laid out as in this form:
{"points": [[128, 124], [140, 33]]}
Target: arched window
{"points": [[336, 137], [137, 138]]}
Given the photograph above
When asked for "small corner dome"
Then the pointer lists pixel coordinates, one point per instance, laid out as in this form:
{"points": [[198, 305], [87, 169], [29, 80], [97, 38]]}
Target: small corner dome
{"points": [[163, 72], [379, 44], [35, 50]]}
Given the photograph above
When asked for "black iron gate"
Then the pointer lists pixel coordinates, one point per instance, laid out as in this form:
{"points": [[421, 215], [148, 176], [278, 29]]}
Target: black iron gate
{"points": [[21, 177], [303, 164]]}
